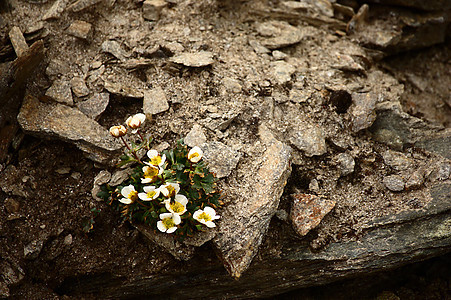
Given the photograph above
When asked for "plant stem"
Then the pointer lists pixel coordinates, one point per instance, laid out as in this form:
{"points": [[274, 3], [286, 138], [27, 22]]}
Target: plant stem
{"points": [[130, 150], [143, 140]]}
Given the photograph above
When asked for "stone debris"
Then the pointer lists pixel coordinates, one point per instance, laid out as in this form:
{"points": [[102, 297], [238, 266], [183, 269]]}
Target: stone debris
{"points": [[11, 274], [18, 41], [307, 211], [79, 87], [415, 180], [358, 20], [396, 160], [279, 55], [56, 10], [231, 85], [248, 217], [120, 176], [258, 48], [282, 71], [195, 137], [68, 124], [155, 101], [94, 106], [60, 91], [123, 89], [113, 48], [152, 9], [103, 177], [280, 34], [57, 67], [221, 158], [345, 163], [394, 183], [80, 29], [423, 5], [347, 63], [33, 249], [197, 59], [363, 110], [82, 4], [309, 139], [11, 205]]}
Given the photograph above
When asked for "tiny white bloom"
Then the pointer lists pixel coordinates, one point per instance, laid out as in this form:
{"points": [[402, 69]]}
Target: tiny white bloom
{"points": [[155, 158], [195, 154], [150, 193], [170, 189], [178, 206], [206, 216], [169, 222], [134, 122], [129, 193], [118, 131], [150, 174]]}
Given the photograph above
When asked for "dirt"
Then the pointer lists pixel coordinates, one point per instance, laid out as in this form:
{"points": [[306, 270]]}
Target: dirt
{"points": [[52, 180]]}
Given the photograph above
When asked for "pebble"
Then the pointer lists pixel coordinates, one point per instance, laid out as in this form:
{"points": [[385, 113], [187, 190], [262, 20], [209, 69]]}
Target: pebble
{"points": [[363, 110], [82, 4], [258, 48], [309, 139], [152, 9], [345, 163], [279, 55], [120, 176], [155, 101], [63, 170], [197, 59], [68, 239], [80, 29], [415, 180], [221, 158], [79, 87], [195, 137], [102, 178], [282, 71], [94, 106], [113, 48], [231, 85], [279, 34], [11, 205], [396, 160], [394, 183], [60, 91], [33, 249], [56, 10], [18, 41], [57, 67]]}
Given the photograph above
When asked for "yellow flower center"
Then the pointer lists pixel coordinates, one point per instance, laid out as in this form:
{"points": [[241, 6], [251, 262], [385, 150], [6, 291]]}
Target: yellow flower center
{"points": [[205, 217], [193, 155], [168, 223], [150, 172], [151, 194], [177, 207], [133, 196], [156, 160], [171, 191]]}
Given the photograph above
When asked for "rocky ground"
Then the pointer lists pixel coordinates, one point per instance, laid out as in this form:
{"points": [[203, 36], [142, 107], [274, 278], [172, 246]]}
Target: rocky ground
{"points": [[327, 123]]}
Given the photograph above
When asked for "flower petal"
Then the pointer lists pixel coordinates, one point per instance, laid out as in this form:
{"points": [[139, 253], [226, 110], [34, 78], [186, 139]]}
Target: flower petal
{"points": [[177, 219], [181, 199], [171, 230], [165, 215], [125, 201], [161, 226], [210, 224]]}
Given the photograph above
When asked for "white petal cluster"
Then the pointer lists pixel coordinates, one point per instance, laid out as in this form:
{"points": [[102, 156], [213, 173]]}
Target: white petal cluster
{"points": [[178, 205], [129, 194], [155, 158], [135, 121], [195, 154], [150, 193], [206, 216], [168, 222], [118, 131]]}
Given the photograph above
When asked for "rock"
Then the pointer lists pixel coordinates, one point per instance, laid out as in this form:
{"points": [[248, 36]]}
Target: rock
{"points": [[94, 106], [198, 59], [79, 87], [313, 185], [282, 71], [80, 29], [33, 249], [345, 163], [358, 20], [441, 172], [68, 239], [155, 101], [18, 41], [231, 85], [68, 124], [347, 63], [10, 274], [55, 10], [195, 137], [279, 55], [63, 170], [123, 88], [246, 220], [396, 160], [60, 91], [280, 34], [429, 5], [307, 211], [258, 48], [220, 158], [394, 183], [57, 67], [11, 205], [309, 139], [363, 110], [120, 176], [415, 180], [113, 48], [102, 178], [152, 9], [439, 143], [11, 184], [79, 5]]}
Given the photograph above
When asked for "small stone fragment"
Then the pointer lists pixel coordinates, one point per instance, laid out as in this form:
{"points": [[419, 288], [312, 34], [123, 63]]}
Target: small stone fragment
{"points": [[123, 89], [115, 49], [101, 178], [345, 163], [282, 71], [57, 67], [278, 55], [195, 137], [415, 180], [394, 183], [220, 158], [307, 211], [231, 85], [198, 59], [155, 101], [363, 110], [11, 205], [68, 239], [258, 48], [80, 29], [18, 41], [152, 9], [347, 63], [309, 139], [280, 34], [60, 91], [79, 87], [82, 4], [33, 249], [56, 10], [94, 106], [63, 170], [120, 176], [396, 160]]}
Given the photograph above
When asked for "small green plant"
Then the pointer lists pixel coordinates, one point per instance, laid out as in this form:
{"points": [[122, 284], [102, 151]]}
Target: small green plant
{"points": [[172, 191], [88, 222]]}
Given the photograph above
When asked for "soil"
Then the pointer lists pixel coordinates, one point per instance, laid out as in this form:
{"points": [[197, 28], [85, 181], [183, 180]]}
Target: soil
{"points": [[50, 202]]}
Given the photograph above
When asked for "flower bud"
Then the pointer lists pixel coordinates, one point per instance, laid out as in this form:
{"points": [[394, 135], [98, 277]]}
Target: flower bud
{"points": [[134, 122], [118, 131], [195, 154]]}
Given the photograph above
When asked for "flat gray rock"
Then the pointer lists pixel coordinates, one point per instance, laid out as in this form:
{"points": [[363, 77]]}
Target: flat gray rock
{"points": [[79, 87], [394, 183], [115, 49], [155, 101], [94, 106], [220, 158], [363, 110], [309, 139], [197, 59], [70, 125], [195, 137], [282, 71], [55, 10], [60, 91], [279, 34]]}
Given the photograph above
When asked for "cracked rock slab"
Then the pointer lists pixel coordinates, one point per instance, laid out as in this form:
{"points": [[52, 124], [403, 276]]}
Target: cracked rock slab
{"points": [[245, 222], [279, 34], [220, 158], [70, 125]]}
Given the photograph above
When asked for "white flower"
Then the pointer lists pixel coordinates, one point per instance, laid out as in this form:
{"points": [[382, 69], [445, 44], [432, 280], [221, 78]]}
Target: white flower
{"points": [[150, 193], [118, 131], [129, 193], [170, 189], [169, 222], [195, 154], [178, 206], [206, 216], [134, 122], [150, 174], [155, 158]]}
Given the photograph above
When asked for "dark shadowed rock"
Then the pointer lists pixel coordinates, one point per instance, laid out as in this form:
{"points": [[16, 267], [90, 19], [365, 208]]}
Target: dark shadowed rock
{"points": [[307, 211]]}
